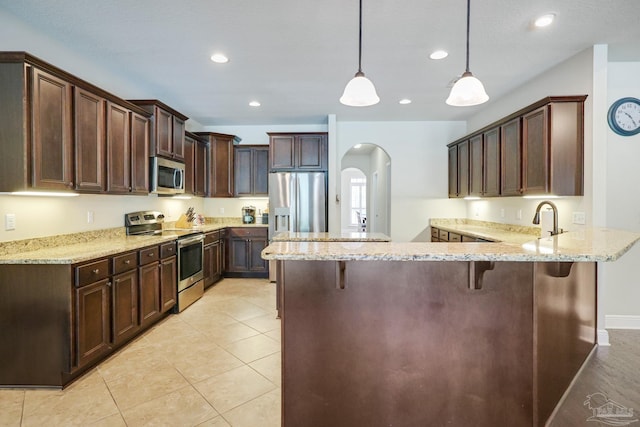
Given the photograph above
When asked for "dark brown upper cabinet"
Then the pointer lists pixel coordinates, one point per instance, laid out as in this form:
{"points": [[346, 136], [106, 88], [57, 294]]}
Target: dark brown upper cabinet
{"points": [[463, 169], [536, 150], [89, 133], [168, 129], [195, 152], [56, 132], [139, 154], [221, 162], [476, 183], [251, 170], [298, 151]]}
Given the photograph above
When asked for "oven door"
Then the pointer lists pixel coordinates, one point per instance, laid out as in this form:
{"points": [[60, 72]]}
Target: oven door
{"points": [[190, 260]]}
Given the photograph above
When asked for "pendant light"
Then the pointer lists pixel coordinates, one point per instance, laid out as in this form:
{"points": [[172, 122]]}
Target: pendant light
{"points": [[468, 90], [359, 92]]}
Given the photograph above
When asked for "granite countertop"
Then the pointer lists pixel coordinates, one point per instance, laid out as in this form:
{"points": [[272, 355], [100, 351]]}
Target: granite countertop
{"points": [[288, 236], [80, 247], [495, 232], [595, 244]]}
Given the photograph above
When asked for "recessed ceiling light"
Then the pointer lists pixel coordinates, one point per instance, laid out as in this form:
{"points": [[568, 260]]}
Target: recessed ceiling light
{"points": [[544, 20], [404, 101], [219, 58], [439, 54], [254, 104]]}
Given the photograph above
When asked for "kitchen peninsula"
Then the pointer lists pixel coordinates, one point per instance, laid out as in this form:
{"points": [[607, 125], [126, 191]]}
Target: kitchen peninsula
{"points": [[434, 334]]}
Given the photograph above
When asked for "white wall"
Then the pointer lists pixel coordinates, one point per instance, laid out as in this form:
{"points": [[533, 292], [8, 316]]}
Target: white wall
{"points": [[623, 200], [418, 155]]}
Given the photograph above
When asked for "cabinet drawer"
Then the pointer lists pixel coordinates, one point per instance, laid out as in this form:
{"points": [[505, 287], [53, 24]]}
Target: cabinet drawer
{"points": [[167, 250], [124, 262], [435, 232], [247, 232], [92, 272], [469, 239], [211, 237], [454, 237], [148, 255], [443, 235]]}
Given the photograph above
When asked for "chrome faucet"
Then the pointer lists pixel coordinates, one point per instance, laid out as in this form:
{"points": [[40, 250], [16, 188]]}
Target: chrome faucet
{"points": [[536, 217]]}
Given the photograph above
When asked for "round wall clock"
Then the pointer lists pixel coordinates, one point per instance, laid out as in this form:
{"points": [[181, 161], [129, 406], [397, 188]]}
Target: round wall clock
{"points": [[624, 116]]}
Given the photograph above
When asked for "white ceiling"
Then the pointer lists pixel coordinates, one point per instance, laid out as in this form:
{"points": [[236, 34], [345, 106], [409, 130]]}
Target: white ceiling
{"points": [[296, 56]]}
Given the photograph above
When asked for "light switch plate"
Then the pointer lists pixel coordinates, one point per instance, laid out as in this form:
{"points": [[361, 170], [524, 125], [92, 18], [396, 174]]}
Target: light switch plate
{"points": [[10, 222], [579, 218]]}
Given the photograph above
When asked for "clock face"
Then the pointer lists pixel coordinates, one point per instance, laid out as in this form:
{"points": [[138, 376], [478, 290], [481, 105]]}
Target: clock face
{"points": [[624, 116]]}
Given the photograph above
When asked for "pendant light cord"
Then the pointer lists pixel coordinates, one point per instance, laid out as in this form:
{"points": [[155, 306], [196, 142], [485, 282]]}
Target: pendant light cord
{"points": [[468, 20], [360, 42]]}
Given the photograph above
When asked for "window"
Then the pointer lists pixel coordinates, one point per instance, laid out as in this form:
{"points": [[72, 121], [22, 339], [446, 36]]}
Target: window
{"points": [[358, 187]]}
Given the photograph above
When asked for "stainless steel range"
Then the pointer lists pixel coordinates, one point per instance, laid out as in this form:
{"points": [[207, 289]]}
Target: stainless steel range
{"points": [[190, 244]]}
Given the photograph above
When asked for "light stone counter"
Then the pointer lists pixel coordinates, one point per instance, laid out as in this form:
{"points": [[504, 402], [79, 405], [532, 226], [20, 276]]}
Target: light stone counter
{"points": [[596, 244], [495, 232], [80, 247], [330, 237]]}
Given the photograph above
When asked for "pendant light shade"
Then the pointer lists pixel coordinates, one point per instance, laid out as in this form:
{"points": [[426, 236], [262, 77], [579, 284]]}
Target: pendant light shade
{"points": [[468, 90], [360, 91]]}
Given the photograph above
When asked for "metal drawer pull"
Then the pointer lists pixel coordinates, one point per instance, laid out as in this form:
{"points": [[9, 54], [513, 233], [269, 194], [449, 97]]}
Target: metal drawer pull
{"points": [[96, 271], [150, 254], [128, 261]]}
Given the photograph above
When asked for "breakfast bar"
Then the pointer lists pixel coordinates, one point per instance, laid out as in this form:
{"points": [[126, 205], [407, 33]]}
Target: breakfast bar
{"points": [[430, 334]]}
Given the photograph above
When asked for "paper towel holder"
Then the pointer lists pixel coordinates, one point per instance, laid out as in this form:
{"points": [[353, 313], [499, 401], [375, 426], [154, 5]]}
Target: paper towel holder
{"points": [[536, 217]]}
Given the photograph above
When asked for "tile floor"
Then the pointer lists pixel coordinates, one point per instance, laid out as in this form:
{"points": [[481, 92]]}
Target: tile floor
{"points": [[215, 364]]}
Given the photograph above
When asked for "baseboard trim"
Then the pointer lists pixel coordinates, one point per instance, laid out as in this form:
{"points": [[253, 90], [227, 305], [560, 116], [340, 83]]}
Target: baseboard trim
{"points": [[621, 322]]}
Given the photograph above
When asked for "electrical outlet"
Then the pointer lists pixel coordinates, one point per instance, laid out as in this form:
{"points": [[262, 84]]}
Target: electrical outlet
{"points": [[579, 218], [221, 210], [89, 217], [10, 221], [519, 214], [502, 213]]}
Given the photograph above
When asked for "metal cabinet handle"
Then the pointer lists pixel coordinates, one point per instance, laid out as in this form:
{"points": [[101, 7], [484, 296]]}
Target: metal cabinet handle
{"points": [[109, 284], [96, 271], [128, 261], [150, 254]]}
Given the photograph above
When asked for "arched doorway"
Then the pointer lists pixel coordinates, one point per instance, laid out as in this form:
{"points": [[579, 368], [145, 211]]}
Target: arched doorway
{"points": [[366, 175]]}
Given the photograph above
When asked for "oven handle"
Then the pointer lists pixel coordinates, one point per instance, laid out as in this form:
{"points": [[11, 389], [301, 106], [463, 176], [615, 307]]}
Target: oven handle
{"points": [[190, 240]]}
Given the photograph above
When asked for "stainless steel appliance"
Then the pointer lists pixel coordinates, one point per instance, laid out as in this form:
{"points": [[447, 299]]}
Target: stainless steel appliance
{"points": [[167, 176], [297, 202], [190, 245]]}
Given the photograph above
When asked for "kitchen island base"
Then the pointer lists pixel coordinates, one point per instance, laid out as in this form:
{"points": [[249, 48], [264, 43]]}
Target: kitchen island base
{"points": [[432, 343]]}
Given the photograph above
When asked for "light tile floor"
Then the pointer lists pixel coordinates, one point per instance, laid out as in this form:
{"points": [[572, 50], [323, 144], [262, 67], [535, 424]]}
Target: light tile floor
{"points": [[215, 364]]}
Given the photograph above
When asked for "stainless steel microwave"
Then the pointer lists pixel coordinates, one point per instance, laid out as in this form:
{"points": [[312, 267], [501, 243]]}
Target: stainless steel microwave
{"points": [[167, 176]]}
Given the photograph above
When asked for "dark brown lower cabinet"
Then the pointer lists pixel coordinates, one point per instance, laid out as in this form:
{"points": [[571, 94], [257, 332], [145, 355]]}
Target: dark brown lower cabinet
{"points": [[212, 258], [434, 348], [242, 252], [168, 283], [93, 321], [149, 293], [125, 306]]}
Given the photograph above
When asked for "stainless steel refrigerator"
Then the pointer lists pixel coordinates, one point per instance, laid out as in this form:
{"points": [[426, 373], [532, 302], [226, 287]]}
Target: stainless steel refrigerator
{"points": [[297, 202]]}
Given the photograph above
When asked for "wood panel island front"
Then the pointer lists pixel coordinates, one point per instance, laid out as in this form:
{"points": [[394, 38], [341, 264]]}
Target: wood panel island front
{"points": [[432, 334]]}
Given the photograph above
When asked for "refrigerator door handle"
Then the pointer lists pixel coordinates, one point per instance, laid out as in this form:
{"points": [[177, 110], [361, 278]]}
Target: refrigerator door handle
{"points": [[295, 204]]}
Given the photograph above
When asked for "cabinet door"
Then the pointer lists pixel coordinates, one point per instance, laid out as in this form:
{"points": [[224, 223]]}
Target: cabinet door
{"points": [[282, 152], [139, 154], [149, 280], [52, 156], [535, 152], [212, 263], [510, 158], [476, 166], [92, 322], [168, 283], [222, 161], [453, 171], [163, 135], [200, 169], [189, 165], [89, 136], [125, 306], [238, 253], [118, 149], [260, 171], [243, 171], [208, 265], [178, 139], [311, 152], [256, 263], [491, 167], [463, 169]]}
